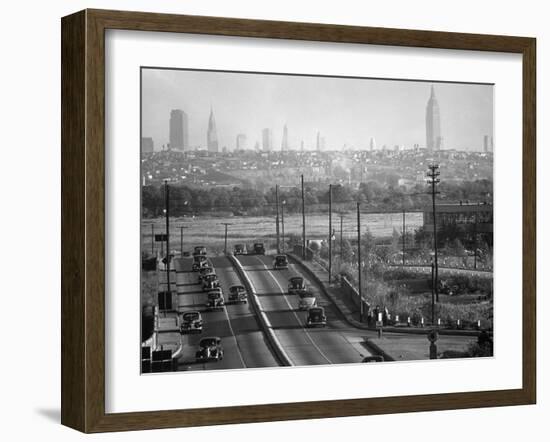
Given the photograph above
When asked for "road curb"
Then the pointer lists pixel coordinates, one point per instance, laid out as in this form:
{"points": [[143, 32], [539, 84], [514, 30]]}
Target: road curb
{"points": [[263, 319], [376, 350]]}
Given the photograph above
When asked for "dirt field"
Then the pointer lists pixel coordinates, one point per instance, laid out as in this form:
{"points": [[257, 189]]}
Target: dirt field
{"points": [[209, 230]]}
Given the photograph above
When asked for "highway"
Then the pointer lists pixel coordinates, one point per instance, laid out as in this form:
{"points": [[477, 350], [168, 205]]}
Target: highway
{"points": [[337, 343], [245, 345]]}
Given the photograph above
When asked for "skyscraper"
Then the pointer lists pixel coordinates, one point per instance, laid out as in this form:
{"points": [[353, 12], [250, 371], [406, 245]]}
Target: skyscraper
{"points": [[487, 143], [267, 139], [284, 143], [211, 134], [179, 132], [147, 145], [433, 125], [241, 142], [372, 143], [318, 144]]}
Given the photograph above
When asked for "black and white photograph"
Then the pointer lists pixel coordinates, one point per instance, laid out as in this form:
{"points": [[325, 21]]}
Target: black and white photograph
{"points": [[298, 220]]}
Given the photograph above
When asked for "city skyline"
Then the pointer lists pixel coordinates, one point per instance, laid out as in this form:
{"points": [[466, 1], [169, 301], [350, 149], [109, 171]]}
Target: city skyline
{"points": [[348, 112]]}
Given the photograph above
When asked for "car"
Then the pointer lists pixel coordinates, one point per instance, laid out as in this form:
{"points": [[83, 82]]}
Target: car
{"points": [[210, 281], [237, 293], [258, 248], [316, 317], [215, 300], [210, 349], [191, 322], [205, 271], [199, 251], [296, 284], [307, 300], [239, 249], [199, 261], [280, 262]]}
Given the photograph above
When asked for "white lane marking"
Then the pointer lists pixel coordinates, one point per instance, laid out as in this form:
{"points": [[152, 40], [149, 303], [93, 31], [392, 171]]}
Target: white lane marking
{"points": [[237, 344], [292, 310]]}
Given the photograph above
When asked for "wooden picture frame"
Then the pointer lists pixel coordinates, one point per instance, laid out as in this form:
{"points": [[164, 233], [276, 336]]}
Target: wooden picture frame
{"points": [[83, 219]]}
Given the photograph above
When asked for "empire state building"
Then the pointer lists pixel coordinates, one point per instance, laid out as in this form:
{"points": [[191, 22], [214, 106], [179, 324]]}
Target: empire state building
{"points": [[434, 141], [211, 134]]}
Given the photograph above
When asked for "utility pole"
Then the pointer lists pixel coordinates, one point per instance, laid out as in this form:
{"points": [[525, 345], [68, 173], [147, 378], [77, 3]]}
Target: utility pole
{"points": [[433, 180], [152, 239], [167, 208], [359, 269], [433, 294], [283, 202], [329, 233], [277, 218], [475, 241], [341, 237], [303, 220], [404, 232], [225, 238]]}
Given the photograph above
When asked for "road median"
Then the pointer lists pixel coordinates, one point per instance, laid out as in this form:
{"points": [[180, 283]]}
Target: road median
{"points": [[265, 324]]}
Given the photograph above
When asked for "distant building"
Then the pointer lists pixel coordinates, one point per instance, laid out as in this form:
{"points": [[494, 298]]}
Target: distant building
{"points": [[372, 143], [434, 141], [240, 143], [302, 146], [212, 134], [147, 145], [284, 142], [465, 216], [320, 145], [179, 130], [487, 143], [267, 139]]}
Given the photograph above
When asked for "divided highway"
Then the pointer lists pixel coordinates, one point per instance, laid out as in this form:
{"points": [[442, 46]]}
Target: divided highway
{"points": [[244, 343], [337, 343]]}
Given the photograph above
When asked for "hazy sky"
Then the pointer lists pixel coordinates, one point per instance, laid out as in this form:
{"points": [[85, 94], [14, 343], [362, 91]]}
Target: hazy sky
{"points": [[345, 111]]}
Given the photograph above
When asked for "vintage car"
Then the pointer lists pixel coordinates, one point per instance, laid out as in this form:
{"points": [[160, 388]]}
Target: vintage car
{"points": [[239, 249], [237, 293], [210, 349], [191, 322], [259, 248], [210, 281], [295, 284], [199, 261], [307, 300], [199, 250], [280, 262], [214, 299], [206, 270], [316, 317]]}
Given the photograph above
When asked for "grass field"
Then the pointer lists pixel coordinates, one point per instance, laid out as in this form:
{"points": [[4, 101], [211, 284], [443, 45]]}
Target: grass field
{"points": [[209, 230]]}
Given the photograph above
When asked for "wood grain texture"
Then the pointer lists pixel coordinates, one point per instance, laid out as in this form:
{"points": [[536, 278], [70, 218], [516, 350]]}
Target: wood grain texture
{"points": [[73, 211], [83, 219]]}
